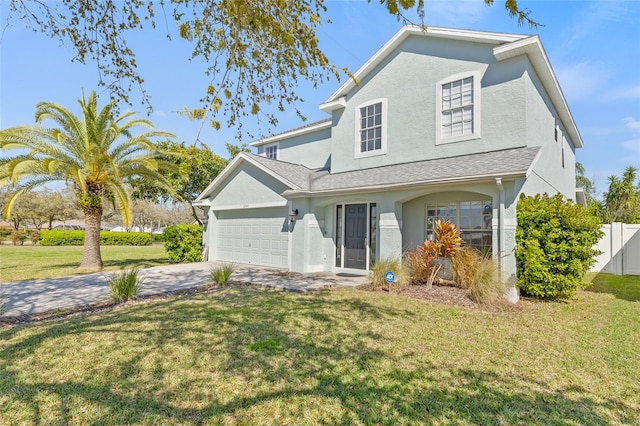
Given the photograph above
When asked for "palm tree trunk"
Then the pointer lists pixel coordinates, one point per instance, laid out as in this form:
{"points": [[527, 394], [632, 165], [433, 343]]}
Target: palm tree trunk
{"points": [[91, 258]]}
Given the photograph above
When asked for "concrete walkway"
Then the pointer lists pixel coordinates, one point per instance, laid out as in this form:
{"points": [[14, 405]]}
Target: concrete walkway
{"points": [[44, 295]]}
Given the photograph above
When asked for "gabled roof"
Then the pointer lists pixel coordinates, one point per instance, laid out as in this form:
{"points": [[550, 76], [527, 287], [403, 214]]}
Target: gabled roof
{"points": [[292, 175], [507, 46], [302, 181], [449, 33]]}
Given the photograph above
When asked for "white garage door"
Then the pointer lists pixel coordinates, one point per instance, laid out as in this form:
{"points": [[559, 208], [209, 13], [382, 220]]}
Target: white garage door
{"points": [[257, 236]]}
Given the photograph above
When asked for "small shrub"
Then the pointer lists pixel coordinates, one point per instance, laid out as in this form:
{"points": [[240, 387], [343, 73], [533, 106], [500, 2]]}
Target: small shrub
{"points": [[124, 285], [222, 273], [423, 268], [379, 269], [34, 236], [107, 238], [18, 237], [183, 243], [4, 233]]}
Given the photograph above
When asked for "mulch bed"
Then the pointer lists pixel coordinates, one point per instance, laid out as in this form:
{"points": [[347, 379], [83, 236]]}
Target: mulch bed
{"points": [[445, 295]]}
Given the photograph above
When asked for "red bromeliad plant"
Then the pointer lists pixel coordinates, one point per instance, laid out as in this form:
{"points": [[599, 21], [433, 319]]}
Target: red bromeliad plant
{"points": [[427, 259], [447, 238]]}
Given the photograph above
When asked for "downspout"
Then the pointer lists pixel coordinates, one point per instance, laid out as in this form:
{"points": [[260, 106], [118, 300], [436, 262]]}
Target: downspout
{"points": [[500, 223]]}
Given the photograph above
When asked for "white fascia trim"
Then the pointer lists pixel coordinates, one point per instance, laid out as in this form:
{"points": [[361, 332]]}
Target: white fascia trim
{"points": [[285, 135], [532, 47], [282, 203], [406, 31], [396, 186], [329, 107], [202, 203], [232, 166]]}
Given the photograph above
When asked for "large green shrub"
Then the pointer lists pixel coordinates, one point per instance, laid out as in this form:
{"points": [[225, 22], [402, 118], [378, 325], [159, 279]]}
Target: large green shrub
{"points": [[183, 243], [107, 238], [554, 246]]}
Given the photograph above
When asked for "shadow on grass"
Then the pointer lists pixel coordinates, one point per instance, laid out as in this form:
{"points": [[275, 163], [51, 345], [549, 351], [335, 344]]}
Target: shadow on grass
{"points": [[323, 361], [625, 287]]}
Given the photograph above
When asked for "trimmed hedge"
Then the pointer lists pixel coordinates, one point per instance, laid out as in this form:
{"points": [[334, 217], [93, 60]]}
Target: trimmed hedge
{"points": [[107, 238], [554, 246], [183, 243]]}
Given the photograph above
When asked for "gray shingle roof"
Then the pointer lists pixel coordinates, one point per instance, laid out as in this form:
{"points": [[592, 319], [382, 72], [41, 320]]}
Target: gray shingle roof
{"points": [[295, 173], [486, 165]]}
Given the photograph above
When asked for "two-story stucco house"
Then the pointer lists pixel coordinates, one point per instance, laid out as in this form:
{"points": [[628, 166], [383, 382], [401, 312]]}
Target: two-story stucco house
{"points": [[442, 123]]}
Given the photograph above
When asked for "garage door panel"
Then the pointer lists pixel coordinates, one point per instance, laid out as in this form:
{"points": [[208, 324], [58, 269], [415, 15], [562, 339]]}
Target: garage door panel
{"points": [[256, 236]]}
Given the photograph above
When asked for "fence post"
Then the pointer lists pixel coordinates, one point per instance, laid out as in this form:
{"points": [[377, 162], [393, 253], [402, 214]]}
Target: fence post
{"points": [[616, 248]]}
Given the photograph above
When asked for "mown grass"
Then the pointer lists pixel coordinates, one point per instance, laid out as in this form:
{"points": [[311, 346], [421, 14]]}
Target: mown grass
{"points": [[31, 262], [248, 355]]}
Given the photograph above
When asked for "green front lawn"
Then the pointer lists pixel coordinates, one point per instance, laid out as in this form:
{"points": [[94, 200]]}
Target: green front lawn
{"points": [[29, 262], [248, 355]]}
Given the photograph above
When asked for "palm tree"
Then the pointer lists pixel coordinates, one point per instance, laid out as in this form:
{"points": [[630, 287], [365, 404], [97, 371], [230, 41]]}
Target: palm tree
{"points": [[622, 201], [95, 153]]}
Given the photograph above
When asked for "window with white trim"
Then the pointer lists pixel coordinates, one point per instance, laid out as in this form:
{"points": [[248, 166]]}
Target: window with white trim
{"points": [[458, 108], [472, 218], [271, 151], [371, 128]]}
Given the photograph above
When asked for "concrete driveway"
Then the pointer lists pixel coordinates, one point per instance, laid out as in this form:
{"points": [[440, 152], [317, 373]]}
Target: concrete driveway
{"points": [[44, 295]]}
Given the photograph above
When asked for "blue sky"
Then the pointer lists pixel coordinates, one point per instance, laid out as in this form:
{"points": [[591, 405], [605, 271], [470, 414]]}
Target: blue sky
{"points": [[593, 46]]}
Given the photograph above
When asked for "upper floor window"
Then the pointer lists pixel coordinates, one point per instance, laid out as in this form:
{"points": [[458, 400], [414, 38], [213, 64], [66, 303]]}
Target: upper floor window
{"points": [[371, 128], [458, 108], [271, 151]]}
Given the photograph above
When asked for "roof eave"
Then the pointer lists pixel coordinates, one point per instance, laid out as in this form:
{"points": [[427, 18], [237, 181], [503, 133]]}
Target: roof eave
{"points": [[232, 166], [405, 185], [292, 133]]}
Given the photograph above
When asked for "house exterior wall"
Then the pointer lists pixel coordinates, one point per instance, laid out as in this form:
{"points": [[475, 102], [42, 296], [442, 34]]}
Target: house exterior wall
{"points": [[401, 222], [411, 103], [550, 174], [310, 149], [247, 185]]}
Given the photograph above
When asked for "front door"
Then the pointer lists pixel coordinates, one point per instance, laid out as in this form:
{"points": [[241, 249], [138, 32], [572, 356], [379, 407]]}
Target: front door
{"points": [[355, 236]]}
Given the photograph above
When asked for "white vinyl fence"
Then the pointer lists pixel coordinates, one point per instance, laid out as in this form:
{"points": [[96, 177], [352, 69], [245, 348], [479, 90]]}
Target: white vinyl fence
{"points": [[620, 249]]}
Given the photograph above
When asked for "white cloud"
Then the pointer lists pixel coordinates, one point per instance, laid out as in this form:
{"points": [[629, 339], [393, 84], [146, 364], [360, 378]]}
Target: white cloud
{"points": [[580, 80], [634, 146], [631, 123]]}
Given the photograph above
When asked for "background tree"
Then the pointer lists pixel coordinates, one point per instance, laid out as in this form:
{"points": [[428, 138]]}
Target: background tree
{"points": [[195, 167], [95, 152], [255, 51], [40, 208], [622, 200]]}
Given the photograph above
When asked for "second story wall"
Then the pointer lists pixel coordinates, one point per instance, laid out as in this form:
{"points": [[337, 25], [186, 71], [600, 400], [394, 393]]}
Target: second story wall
{"points": [[555, 169], [312, 149], [407, 86]]}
